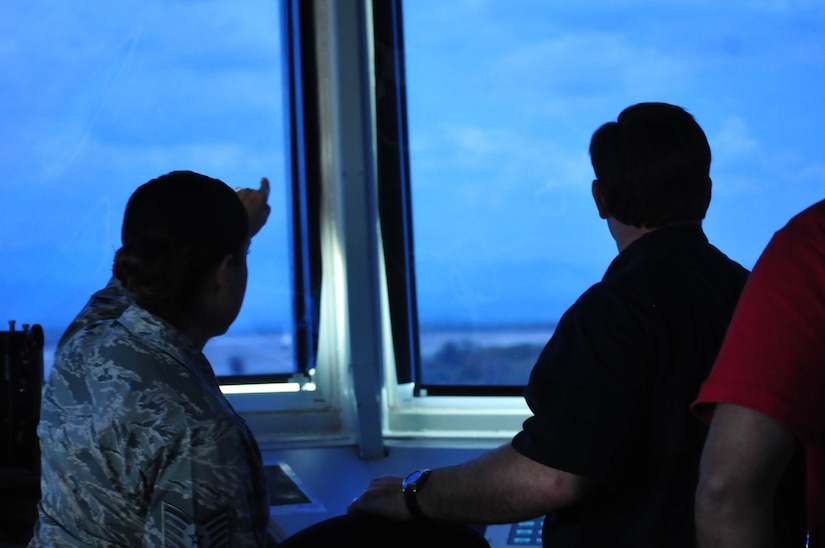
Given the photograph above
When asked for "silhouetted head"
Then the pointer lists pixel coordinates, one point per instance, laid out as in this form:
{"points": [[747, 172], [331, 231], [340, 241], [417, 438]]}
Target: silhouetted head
{"points": [[177, 229], [652, 166]]}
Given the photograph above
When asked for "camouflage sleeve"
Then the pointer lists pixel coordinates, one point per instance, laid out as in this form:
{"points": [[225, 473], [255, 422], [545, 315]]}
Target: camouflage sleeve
{"points": [[204, 493]]}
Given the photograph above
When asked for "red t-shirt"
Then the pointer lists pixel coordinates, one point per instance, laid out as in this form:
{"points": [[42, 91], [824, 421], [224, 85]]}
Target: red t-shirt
{"points": [[773, 357]]}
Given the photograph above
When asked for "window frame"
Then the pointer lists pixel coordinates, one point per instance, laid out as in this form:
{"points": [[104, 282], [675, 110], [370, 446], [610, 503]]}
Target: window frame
{"points": [[347, 124], [410, 408]]}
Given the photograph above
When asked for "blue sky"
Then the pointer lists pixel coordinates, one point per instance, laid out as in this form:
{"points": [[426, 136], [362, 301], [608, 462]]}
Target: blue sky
{"points": [[98, 97], [505, 96]]}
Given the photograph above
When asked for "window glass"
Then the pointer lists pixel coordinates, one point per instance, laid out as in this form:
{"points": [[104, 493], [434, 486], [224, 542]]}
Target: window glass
{"points": [[502, 100], [100, 97]]}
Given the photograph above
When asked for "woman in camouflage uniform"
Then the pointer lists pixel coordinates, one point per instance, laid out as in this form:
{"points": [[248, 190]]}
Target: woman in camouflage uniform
{"points": [[139, 446]]}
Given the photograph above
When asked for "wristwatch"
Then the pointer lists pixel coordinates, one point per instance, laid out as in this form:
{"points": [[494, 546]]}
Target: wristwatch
{"points": [[412, 484]]}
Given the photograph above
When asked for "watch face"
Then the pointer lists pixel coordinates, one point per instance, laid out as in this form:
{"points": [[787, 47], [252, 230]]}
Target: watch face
{"points": [[413, 477], [416, 479]]}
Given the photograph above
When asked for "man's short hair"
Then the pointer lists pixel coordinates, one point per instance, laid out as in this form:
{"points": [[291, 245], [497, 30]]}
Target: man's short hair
{"points": [[652, 166]]}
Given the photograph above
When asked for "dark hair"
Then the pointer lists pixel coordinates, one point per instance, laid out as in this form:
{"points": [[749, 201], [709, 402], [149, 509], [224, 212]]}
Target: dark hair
{"points": [[653, 166], [177, 228]]}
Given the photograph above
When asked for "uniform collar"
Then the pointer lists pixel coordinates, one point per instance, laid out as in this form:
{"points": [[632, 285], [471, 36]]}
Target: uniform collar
{"points": [[165, 337]]}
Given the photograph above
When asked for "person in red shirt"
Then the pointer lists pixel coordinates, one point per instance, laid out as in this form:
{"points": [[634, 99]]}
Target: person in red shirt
{"points": [[765, 397]]}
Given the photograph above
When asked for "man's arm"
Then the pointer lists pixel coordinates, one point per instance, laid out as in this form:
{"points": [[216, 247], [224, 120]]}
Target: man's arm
{"points": [[743, 461], [501, 486]]}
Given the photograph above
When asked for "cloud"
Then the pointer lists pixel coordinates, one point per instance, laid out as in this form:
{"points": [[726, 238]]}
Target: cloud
{"points": [[588, 64], [523, 158], [733, 141]]}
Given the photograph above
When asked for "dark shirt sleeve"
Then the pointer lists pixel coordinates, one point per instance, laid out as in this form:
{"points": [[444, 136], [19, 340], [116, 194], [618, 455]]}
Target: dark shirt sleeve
{"points": [[589, 390]]}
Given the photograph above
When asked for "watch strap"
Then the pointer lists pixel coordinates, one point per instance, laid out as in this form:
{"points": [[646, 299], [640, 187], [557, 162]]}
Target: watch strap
{"points": [[411, 489]]}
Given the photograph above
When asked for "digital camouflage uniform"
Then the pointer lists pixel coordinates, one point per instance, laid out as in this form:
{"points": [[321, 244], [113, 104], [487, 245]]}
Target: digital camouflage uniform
{"points": [[139, 446]]}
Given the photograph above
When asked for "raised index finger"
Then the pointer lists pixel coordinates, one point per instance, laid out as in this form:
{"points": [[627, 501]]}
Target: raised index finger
{"points": [[264, 186]]}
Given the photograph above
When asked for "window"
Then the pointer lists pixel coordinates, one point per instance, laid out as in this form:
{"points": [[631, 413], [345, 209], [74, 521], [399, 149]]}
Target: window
{"points": [[98, 98], [502, 98], [468, 124]]}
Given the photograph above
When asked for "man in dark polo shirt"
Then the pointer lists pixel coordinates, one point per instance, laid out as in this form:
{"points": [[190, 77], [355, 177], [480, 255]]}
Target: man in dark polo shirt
{"points": [[611, 452]]}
